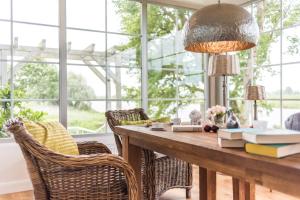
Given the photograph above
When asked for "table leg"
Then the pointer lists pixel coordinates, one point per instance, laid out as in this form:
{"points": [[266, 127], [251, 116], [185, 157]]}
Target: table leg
{"points": [[243, 190], [133, 154], [207, 184]]}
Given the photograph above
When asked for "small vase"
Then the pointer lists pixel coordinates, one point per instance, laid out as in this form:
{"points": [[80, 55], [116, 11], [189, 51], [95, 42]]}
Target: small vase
{"points": [[219, 121]]}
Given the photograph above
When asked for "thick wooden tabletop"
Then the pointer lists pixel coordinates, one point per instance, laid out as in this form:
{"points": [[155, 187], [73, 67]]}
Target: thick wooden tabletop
{"points": [[202, 149]]}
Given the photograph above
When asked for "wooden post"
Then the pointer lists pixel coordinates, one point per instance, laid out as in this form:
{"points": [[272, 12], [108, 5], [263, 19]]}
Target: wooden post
{"points": [[207, 184], [243, 190], [133, 155]]}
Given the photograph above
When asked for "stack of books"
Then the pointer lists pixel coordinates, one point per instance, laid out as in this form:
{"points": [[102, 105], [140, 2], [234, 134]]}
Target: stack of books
{"points": [[232, 138], [276, 143]]}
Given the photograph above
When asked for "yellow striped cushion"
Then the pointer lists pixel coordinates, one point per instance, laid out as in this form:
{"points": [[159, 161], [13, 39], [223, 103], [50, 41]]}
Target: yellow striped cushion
{"points": [[54, 136]]}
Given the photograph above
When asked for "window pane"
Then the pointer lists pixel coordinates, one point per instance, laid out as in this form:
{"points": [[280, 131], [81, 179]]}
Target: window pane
{"points": [[123, 51], [5, 9], [162, 108], [86, 82], [35, 43], [124, 16], [268, 14], [36, 80], [162, 84], [5, 110], [291, 44], [88, 14], [270, 78], [291, 10], [125, 83], [185, 107], [123, 105], [86, 47], [242, 109], [270, 112], [5, 40], [4, 74], [37, 110], [290, 76], [268, 49], [237, 84], [86, 117], [289, 108], [38, 11], [191, 84], [189, 61]]}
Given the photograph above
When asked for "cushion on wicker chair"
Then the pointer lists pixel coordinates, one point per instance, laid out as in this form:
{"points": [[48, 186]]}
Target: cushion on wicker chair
{"points": [[54, 136]]}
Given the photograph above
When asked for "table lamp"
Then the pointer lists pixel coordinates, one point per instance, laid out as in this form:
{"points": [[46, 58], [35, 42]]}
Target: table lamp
{"points": [[223, 65], [255, 92]]}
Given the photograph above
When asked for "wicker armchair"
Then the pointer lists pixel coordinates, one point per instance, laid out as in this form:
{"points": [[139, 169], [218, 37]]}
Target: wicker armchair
{"points": [[160, 173], [94, 175]]}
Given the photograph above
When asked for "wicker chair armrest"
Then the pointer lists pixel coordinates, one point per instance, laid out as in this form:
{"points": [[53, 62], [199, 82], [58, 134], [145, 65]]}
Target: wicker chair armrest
{"points": [[92, 147], [87, 165]]}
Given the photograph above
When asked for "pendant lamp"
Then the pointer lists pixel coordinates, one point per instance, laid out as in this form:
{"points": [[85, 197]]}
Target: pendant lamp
{"points": [[220, 28]]}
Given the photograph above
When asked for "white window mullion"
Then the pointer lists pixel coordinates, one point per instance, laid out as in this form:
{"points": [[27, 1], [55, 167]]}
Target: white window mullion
{"points": [[144, 77], [63, 91]]}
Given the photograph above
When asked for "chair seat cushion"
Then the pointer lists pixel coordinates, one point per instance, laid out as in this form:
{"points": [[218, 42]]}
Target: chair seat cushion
{"points": [[53, 135]]}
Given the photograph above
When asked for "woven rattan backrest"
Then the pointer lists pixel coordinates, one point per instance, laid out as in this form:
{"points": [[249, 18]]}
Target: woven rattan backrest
{"points": [[24, 140], [115, 117]]}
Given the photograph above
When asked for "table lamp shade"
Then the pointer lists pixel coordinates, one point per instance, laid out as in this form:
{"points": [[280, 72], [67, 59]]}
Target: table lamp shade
{"points": [[223, 65], [255, 92]]}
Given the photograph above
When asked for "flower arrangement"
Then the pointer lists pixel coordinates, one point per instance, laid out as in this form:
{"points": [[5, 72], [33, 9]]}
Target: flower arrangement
{"points": [[217, 113]]}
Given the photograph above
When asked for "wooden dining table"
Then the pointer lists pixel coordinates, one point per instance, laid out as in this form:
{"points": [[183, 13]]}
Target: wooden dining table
{"points": [[202, 149]]}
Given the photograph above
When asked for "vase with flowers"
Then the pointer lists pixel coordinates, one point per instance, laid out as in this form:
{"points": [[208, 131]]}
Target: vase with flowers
{"points": [[217, 114]]}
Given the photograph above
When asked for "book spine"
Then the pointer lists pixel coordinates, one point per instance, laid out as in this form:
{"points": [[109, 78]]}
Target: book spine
{"points": [[187, 129]]}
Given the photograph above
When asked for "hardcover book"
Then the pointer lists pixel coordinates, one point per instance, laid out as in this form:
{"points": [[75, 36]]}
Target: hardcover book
{"points": [[224, 143], [273, 150], [186, 128], [272, 136], [233, 134]]}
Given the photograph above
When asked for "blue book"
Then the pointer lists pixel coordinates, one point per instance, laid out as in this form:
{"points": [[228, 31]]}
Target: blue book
{"points": [[234, 134]]}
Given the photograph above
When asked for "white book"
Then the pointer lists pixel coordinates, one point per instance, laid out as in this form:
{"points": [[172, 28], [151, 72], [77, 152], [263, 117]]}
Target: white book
{"points": [[233, 134], [230, 143], [186, 128], [272, 136]]}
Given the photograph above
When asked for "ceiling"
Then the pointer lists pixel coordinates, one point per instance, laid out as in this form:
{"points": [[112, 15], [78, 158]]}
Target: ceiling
{"points": [[195, 4]]}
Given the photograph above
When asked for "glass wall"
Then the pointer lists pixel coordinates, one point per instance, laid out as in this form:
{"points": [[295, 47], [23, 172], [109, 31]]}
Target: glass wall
{"points": [[29, 67], [103, 56], [274, 63], [175, 77], [103, 60]]}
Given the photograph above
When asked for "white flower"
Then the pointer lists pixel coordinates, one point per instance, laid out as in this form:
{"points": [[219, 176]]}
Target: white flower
{"points": [[216, 110]]}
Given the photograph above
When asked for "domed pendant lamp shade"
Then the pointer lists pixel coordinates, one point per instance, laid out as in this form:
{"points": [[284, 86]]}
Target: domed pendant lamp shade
{"points": [[220, 28]]}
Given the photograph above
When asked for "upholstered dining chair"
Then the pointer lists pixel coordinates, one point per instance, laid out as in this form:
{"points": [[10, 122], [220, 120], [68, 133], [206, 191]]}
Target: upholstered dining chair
{"points": [[95, 174], [159, 172]]}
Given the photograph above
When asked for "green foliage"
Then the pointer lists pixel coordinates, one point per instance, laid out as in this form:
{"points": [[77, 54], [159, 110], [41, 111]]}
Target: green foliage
{"points": [[19, 109], [38, 81], [41, 81], [161, 83]]}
